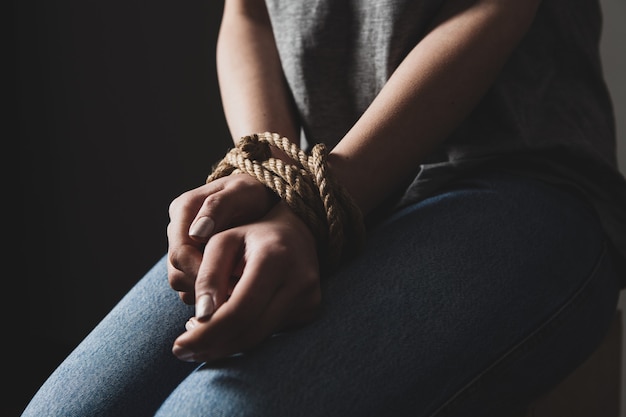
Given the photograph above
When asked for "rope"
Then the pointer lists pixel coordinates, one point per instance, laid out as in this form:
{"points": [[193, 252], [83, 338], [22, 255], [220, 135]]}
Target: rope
{"points": [[306, 186]]}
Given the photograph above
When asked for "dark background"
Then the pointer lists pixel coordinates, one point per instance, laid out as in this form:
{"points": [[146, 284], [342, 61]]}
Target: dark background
{"points": [[117, 113]]}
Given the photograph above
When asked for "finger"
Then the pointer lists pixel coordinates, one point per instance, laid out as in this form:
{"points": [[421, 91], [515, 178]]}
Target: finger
{"points": [[184, 254], [182, 212], [226, 322], [177, 277], [248, 302], [294, 301], [233, 200], [284, 312], [183, 259], [192, 345], [221, 256], [262, 276]]}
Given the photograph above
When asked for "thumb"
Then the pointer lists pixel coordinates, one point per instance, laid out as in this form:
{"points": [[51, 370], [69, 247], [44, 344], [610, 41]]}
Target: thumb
{"points": [[219, 262]]}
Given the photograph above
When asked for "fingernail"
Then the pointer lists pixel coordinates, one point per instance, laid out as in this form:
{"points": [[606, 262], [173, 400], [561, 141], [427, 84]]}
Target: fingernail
{"points": [[183, 354], [202, 228], [205, 306], [191, 323]]}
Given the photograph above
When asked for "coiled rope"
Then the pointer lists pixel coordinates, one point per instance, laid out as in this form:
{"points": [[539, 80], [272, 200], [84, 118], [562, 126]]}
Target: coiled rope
{"points": [[306, 186]]}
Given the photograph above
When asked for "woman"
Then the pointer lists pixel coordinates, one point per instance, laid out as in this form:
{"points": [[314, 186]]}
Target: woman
{"points": [[474, 137]]}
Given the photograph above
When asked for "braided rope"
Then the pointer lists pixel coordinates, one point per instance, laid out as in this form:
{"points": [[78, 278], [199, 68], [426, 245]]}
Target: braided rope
{"points": [[306, 186]]}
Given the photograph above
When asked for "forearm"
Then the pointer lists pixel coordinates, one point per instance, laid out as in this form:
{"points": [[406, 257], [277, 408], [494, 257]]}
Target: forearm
{"points": [[430, 93], [253, 90]]}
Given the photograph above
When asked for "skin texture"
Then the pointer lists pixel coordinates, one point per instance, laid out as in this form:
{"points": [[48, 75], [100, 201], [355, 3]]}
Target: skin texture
{"points": [[252, 269]]}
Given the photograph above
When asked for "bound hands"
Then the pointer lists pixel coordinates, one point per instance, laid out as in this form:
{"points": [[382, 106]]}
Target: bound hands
{"points": [[249, 264]]}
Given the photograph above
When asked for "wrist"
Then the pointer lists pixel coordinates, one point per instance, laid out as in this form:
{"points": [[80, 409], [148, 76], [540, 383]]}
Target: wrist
{"points": [[306, 185]]}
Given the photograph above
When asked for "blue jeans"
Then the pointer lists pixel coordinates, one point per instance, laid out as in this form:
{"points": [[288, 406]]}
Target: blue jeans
{"points": [[470, 303]]}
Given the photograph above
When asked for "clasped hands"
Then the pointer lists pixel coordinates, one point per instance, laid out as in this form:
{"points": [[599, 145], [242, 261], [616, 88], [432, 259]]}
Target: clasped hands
{"points": [[247, 262]]}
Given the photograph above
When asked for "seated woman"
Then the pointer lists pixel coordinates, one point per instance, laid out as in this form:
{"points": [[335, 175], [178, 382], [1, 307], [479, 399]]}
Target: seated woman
{"points": [[432, 225]]}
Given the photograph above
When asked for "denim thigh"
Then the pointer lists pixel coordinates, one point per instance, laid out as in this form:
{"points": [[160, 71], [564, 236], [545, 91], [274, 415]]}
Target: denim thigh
{"points": [[469, 303], [465, 304]]}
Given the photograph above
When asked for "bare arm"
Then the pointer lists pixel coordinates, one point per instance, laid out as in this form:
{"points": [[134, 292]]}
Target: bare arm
{"points": [[430, 93], [254, 93]]}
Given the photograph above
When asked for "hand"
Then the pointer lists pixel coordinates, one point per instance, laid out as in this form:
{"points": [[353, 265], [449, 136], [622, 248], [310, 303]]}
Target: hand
{"points": [[276, 286], [198, 214]]}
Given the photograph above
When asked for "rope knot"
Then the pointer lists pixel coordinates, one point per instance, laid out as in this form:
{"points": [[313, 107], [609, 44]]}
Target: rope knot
{"points": [[254, 149]]}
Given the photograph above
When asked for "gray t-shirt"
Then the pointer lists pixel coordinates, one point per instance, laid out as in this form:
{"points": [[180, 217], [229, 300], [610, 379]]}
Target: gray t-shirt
{"points": [[548, 115]]}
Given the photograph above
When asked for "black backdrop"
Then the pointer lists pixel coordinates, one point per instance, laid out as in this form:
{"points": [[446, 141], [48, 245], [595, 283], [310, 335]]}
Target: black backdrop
{"points": [[118, 112]]}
